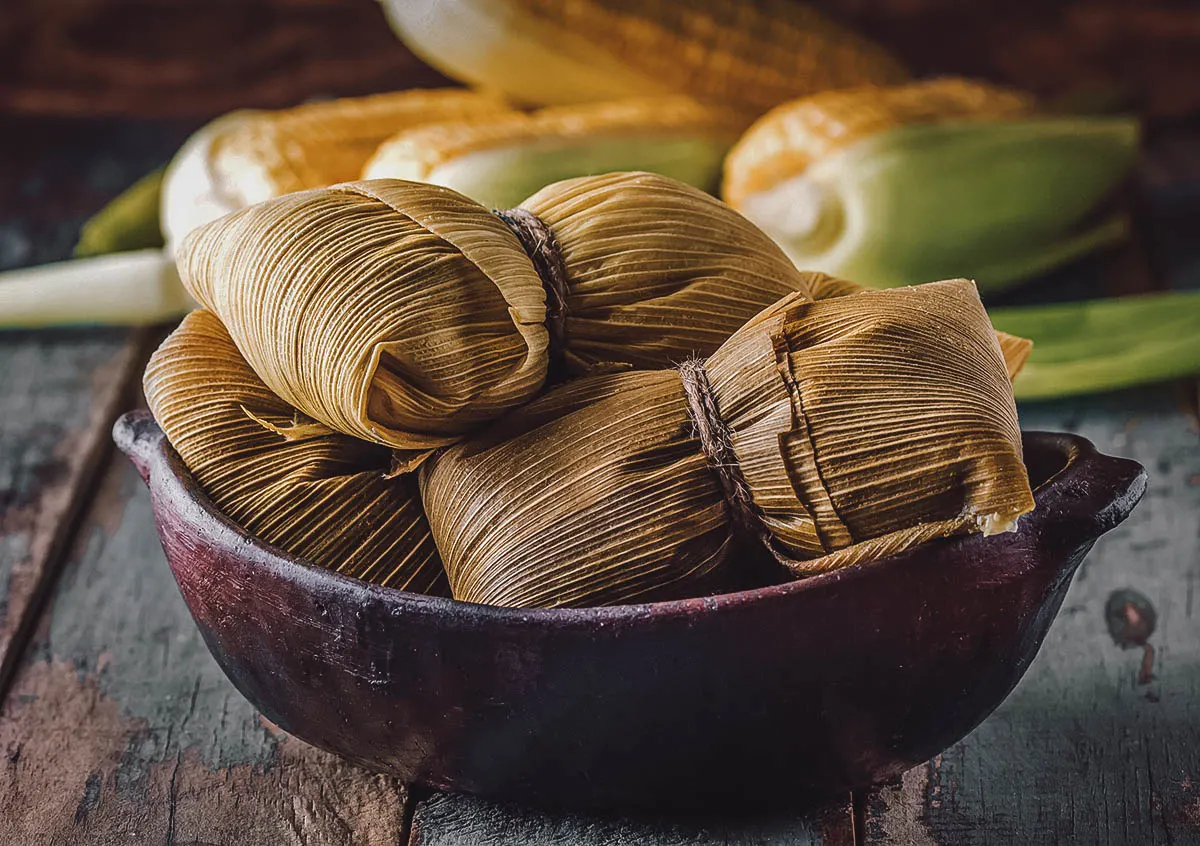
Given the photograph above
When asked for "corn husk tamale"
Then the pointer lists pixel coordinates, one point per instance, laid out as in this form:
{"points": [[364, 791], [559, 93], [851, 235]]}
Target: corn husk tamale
{"points": [[546, 52], [249, 156], [406, 314], [499, 160], [861, 425], [316, 494], [893, 185]]}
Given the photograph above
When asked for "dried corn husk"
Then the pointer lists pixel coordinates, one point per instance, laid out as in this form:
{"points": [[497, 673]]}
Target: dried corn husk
{"points": [[863, 425], [889, 186], [499, 160], [317, 494], [406, 314], [540, 52], [249, 156]]}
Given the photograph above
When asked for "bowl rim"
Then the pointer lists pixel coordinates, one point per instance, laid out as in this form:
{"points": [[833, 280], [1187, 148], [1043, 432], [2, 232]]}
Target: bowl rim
{"points": [[1071, 492]]}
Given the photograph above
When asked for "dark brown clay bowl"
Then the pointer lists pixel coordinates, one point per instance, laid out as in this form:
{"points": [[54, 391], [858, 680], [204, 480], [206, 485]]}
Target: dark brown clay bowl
{"points": [[805, 688]]}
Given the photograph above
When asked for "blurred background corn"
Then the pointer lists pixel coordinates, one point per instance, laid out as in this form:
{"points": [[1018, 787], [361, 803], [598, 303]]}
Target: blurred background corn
{"points": [[790, 138], [890, 186], [545, 52], [247, 157], [500, 159]]}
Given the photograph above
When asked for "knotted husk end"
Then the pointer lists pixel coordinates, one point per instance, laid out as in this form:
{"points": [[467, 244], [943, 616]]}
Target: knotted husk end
{"points": [[870, 423]]}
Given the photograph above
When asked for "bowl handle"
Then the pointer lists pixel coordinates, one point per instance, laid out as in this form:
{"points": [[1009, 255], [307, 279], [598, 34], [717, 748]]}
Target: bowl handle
{"points": [[1094, 494], [138, 436]]}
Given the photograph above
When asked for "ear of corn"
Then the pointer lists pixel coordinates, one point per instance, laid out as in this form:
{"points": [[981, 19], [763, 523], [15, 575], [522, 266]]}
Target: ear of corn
{"points": [[542, 52], [791, 138], [890, 186], [499, 160], [246, 157]]}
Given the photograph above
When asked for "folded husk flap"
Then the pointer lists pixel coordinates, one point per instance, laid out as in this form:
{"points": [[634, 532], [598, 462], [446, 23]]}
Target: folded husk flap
{"points": [[408, 315], [290, 481], [863, 425]]}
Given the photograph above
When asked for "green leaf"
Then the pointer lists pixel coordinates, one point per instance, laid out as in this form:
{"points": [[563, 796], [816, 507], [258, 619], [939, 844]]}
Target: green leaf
{"points": [[129, 222], [1102, 345]]}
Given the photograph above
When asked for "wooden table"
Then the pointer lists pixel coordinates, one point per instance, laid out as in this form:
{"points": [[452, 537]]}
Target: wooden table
{"points": [[118, 727]]}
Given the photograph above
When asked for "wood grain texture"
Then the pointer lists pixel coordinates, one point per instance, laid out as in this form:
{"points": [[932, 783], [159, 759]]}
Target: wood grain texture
{"points": [[1089, 749], [121, 728], [59, 391], [452, 820], [195, 58]]}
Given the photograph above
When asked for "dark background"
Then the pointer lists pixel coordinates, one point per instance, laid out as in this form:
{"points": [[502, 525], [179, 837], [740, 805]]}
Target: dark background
{"points": [[197, 58]]}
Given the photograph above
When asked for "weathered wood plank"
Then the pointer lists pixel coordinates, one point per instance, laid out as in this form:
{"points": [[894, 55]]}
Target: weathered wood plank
{"points": [[58, 398], [1091, 748], [121, 727], [59, 391], [451, 820]]}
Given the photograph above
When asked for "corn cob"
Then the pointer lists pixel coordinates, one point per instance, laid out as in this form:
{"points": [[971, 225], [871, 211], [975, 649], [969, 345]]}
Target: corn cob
{"points": [[540, 52], [943, 178], [501, 159], [250, 156], [789, 139]]}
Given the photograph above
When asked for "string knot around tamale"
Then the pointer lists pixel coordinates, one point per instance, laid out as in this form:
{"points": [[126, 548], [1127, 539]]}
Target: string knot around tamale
{"points": [[859, 426], [408, 315]]}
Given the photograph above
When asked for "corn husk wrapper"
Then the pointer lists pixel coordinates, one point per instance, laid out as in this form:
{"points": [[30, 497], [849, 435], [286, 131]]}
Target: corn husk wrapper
{"points": [[317, 494], [499, 160], [889, 186], [406, 314], [863, 424], [249, 156], [547, 52]]}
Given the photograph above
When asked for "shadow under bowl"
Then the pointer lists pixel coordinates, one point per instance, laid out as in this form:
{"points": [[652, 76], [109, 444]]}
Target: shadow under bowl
{"points": [[807, 688]]}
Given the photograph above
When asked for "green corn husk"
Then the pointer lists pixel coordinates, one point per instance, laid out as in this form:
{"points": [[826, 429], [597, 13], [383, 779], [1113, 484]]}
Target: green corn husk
{"points": [[500, 159], [137, 288], [1103, 345], [128, 222], [939, 178]]}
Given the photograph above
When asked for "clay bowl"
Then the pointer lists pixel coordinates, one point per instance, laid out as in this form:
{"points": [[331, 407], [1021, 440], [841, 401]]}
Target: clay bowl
{"points": [[804, 688]]}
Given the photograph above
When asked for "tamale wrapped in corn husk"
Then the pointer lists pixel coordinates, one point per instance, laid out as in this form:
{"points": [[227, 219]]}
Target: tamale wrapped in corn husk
{"points": [[544, 52], [249, 156], [945, 177], [406, 314], [317, 494], [831, 432], [499, 160]]}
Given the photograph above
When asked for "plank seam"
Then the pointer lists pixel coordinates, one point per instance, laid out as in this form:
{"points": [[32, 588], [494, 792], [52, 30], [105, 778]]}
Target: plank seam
{"points": [[96, 448]]}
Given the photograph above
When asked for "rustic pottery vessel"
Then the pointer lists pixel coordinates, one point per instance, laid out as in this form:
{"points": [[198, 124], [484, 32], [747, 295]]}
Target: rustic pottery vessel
{"points": [[835, 682]]}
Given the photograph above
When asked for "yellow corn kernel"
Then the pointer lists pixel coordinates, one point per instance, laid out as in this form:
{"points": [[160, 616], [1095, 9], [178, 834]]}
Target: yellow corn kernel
{"points": [[785, 141], [547, 52]]}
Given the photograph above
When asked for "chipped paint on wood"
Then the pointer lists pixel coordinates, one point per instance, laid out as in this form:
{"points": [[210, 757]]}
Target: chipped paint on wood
{"points": [[120, 727], [451, 820], [1087, 748]]}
